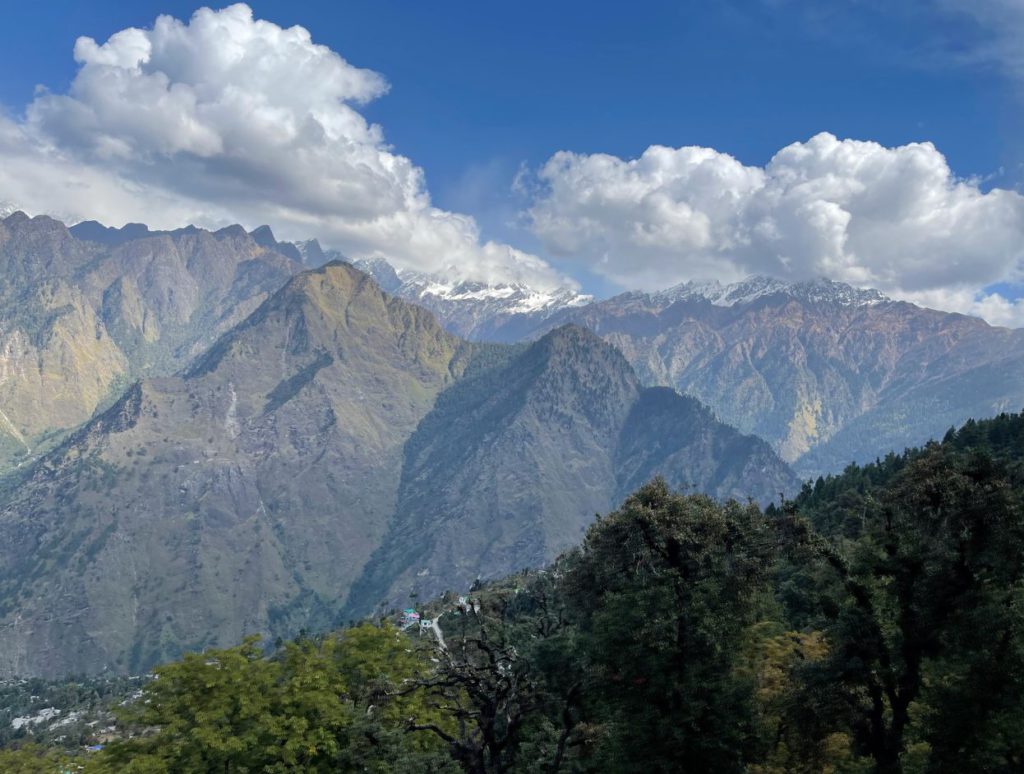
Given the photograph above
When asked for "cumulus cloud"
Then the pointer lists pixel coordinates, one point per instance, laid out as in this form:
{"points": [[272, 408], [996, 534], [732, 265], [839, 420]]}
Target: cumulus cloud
{"points": [[892, 218], [226, 118]]}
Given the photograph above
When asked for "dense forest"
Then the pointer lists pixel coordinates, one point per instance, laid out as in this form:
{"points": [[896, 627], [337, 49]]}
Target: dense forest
{"points": [[875, 623]]}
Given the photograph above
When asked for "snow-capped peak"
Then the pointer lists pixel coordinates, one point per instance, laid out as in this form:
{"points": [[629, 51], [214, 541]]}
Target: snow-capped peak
{"points": [[467, 306], [382, 272], [752, 288], [7, 209], [512, 297]]}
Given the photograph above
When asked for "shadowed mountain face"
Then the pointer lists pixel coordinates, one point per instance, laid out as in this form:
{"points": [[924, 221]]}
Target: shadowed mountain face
{"points": [[84, 311], [826, 373], [249, 493], [510, 467]]}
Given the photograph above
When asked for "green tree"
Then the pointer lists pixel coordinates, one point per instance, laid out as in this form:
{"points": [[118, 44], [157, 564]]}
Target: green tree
{"points": [[662, 592], [34, 759], [919, 596], [340, 703]]}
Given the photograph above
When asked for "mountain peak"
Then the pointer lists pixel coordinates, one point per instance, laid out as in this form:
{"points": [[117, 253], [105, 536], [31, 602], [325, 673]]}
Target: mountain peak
{"points": [[41, 235], [474, 309], [748, 290], [94, 231], [573, 349], [233, 231], [312, 253], [323, 306], [382, 271], [571, 334], [7, 209], [263, 236], [14, 218]]}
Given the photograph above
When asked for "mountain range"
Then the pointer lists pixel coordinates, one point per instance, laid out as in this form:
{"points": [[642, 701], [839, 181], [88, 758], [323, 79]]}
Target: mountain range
{"points": [[207, 434], [334, 450], [85, 311], [827, 373]]}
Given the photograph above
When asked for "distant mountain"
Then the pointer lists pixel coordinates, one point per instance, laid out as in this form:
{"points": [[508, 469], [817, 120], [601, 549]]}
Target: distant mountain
{"points": [[94, 231], [827, 373], [293, 469], [821, 291], [503, 312], [85, 310], [312, 254]]}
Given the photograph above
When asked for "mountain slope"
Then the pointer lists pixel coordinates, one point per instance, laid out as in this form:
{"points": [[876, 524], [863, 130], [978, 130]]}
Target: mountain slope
{"points": [[85, 310], [510, 467], [827, 373], [243, 496], [249, 492]]}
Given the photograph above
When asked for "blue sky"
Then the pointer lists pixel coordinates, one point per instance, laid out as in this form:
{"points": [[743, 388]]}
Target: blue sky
{"points": [[478, 90], [478, 84]]}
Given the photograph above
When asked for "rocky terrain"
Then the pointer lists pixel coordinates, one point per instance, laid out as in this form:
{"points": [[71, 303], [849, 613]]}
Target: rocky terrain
{"points": [[84, 311], [828, 374], [249, 492], [514, 461]]}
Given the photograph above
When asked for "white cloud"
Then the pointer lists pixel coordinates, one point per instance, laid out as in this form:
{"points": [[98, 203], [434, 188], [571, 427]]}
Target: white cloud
{"points": [[225, 118], [892, 218], [992, 307], [230, 119]]}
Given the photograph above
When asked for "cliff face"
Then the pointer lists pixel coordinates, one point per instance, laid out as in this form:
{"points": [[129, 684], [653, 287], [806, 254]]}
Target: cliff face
{"points": [[82, 316]]}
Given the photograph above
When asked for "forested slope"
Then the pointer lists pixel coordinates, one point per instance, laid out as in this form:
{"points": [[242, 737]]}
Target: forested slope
{"points": [[875, 623]]}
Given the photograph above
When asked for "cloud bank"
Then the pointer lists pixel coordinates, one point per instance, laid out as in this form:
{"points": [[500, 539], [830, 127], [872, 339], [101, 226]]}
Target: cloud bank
{"points": [[896, 219], [226, 119]]}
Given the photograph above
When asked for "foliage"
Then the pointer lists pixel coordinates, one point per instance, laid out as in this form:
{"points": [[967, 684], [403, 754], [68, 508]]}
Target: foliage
{"points": [[35, 759], [662, 592], [874, 624], [327, 705], [914, 574]]}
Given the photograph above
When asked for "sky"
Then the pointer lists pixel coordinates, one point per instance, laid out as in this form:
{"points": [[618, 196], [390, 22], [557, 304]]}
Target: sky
{"points": [[603, 146]]}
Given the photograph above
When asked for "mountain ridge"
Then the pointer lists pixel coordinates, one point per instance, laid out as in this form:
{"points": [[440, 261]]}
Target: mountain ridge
{"points": [[79, 319], [249, 491], [568, 414], [828, 373]]}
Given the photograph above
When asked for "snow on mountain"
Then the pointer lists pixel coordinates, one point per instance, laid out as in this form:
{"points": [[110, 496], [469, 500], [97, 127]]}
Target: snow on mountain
{"points": [[7, 208], [475, 310], [753, 288], [384, 273]]}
